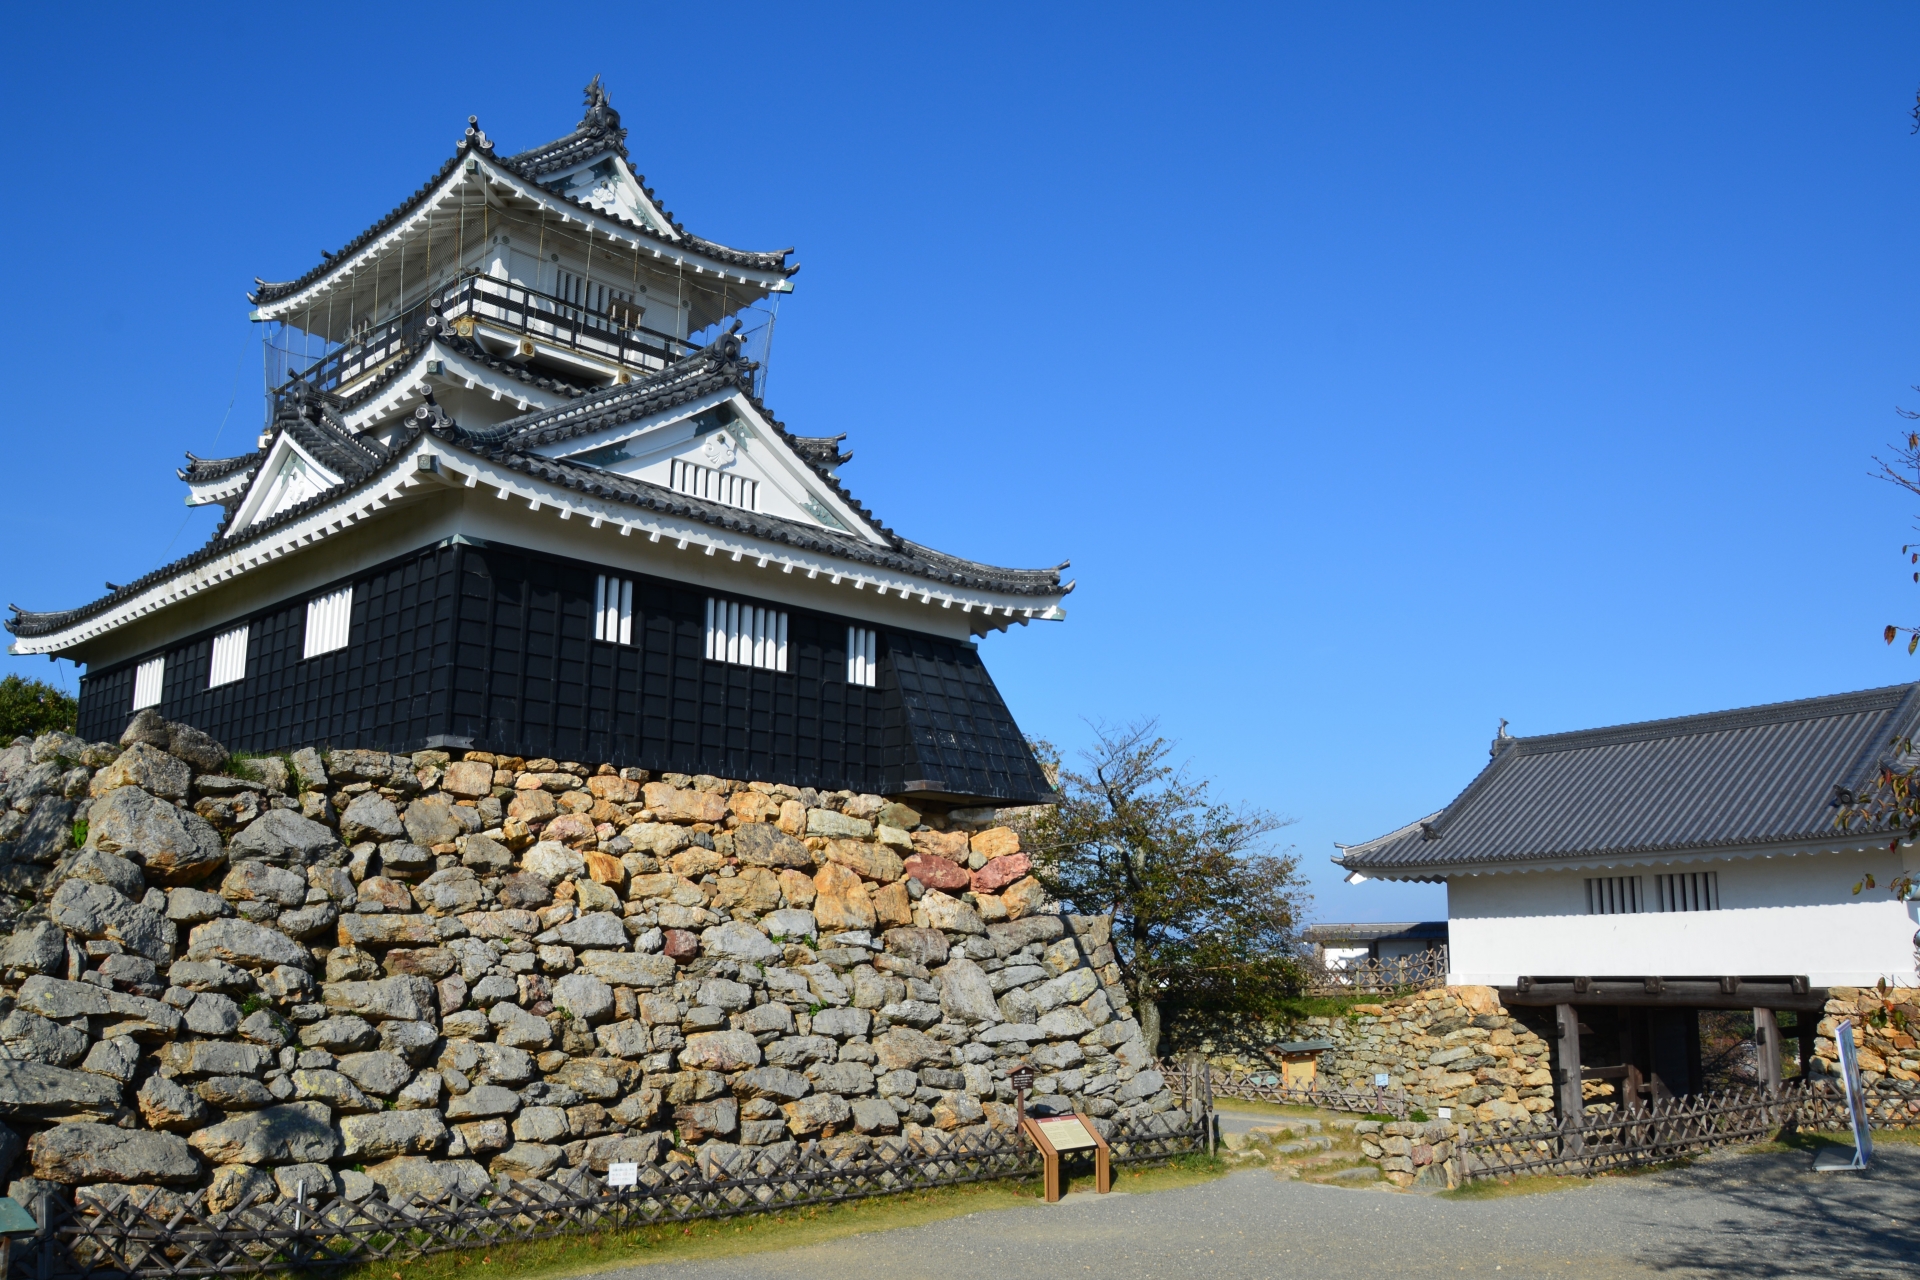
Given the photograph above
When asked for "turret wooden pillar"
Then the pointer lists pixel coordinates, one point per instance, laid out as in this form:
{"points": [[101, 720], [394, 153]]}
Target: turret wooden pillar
{"points": [[1766, 1040], [1572, 1103]]}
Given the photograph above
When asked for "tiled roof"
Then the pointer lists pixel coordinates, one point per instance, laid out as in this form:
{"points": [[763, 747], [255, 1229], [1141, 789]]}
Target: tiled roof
{"points": [[201, 470], [1729, 779], [593, 136], [312, 418]]}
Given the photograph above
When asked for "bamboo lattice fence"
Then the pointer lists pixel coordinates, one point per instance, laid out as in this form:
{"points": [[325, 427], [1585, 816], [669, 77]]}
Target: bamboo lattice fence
{"points": [[143, 1235], [1382, 977]]}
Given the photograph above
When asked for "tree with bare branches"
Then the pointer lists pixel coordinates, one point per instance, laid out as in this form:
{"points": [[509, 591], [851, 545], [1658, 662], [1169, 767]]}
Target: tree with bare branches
{"points": [[1204, 910]]}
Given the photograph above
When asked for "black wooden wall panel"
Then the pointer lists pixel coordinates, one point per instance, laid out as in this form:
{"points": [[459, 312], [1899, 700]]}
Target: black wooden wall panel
{"points": [[494, 646]]}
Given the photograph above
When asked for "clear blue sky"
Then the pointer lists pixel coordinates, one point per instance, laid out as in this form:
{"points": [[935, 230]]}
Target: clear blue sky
{"points": [[1384, 370]]}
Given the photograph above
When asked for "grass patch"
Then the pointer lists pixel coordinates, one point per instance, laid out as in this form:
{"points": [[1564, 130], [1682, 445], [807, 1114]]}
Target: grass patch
{"points": [[1813, 1141], [760, 1233]]}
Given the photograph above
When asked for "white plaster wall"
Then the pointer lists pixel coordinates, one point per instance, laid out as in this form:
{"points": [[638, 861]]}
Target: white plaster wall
{"points": [[1778, 915]]}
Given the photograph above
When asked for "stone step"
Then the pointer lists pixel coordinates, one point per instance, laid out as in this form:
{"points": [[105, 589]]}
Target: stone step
{"points": [[1362, 1173], [1302, 1146]]}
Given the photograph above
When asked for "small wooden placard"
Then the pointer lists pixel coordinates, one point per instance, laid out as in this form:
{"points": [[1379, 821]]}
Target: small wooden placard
{"points": [[1054, 1135]]}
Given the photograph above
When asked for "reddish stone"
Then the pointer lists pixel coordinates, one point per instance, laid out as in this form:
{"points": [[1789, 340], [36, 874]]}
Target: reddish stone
{"points": [[936, 872], [1001, 872], [571, 828], [681, 944]]}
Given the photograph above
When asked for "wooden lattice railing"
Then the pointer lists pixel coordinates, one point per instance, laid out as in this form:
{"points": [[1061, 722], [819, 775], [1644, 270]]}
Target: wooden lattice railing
{"points": [[1197, 1079], [1670, 1129], [1383, 977], [143, 1235]]}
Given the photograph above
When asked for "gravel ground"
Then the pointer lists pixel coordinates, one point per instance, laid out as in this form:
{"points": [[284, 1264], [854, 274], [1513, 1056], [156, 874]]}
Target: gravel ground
{"points": [[1731, 1215]]}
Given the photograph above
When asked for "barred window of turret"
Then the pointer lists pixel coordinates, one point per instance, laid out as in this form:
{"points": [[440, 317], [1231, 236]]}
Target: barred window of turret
{"points": [[863, 666], [746, 635], [613, 609]]}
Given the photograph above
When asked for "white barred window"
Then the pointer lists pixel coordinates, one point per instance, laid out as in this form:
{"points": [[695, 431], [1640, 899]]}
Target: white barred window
{"points": [[746, 635], [229, 657], [1688, 891], [613, 609], [862, 666], [147, 678], [720, 486], [328, 619], [1614, 896]]}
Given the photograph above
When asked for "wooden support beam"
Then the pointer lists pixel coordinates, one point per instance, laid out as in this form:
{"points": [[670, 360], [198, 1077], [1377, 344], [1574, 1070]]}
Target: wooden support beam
{"points": [[1766, 1040], [1572, 1102]]}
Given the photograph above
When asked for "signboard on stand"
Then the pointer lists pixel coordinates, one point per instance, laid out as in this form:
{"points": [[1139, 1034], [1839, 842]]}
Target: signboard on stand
{"points": [[1833, 1158], [1058, 1135]]}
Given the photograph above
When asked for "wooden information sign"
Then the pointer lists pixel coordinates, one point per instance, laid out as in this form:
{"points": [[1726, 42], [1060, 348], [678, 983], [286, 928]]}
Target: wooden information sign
{"points": [[1056, 1135]]}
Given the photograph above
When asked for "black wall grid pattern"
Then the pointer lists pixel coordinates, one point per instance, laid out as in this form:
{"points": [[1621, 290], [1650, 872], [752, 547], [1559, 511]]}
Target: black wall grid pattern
{"points": [[490, 647]]}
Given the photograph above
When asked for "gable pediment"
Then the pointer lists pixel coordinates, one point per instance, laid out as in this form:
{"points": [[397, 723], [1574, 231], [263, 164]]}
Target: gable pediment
{"points": [[607, 184], [722, 452], [289, 477]]}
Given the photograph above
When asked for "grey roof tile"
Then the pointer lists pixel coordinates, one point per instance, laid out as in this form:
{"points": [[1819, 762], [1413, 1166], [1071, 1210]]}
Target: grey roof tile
{"points": [[1754, 776]]}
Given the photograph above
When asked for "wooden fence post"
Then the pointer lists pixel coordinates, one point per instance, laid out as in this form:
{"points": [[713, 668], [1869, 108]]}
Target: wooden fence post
{"points": [[1573, 1106]]}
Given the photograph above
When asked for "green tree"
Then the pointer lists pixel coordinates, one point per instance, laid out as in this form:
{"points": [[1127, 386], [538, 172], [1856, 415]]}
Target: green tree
{"points": [[1203, 910], [33, 707]]}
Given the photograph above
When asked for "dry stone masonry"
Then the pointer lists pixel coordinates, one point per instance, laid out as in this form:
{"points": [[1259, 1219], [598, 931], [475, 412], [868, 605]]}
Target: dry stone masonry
{"points": [[364, 974]]}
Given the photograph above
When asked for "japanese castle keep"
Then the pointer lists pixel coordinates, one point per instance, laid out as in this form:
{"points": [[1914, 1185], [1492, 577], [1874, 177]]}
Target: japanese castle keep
{"points": [[527, 500]]}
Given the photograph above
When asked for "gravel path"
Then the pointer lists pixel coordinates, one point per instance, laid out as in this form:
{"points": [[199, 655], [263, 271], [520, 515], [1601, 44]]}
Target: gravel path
{"points": [[1745, 1216]]}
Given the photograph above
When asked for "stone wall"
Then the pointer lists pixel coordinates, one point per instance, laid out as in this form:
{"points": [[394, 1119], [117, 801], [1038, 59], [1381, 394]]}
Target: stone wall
{"points": [[1454, 1047], [1883, 1027], [375, 974]]}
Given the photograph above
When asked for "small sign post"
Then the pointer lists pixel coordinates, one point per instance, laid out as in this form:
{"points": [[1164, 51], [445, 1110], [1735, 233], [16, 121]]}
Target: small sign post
{"points": [[1021, 1080], [625, 1174], [1057, 1135], [1830, 1159]]}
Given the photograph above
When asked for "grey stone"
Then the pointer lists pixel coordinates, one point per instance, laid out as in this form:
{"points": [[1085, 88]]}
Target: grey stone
{"points": [[413, 1041], [165, 1104], [392, 1133], [405, 861], [234, 1093], [312, 770], [629, 969], [842, 1022], [212, 1014], [343, 1034], [90, 1153], [285, 836], [28, 1037], [36, 948], [772, 1016], [485, 854], [724, 1051], [1008, 1032], [482, 1101], [841, 1077], [309, 921], [1011, 935], [602, 1079], [407, 999], [371, 816], [726, 994], [790, 922], [285, 984], [965, 993], [799, 1051], [422, 1093], [262, 1028], [59, 999], [738, 940], [433, 819], [198, 748], [290, 1134], [584, 996], [210, 975], [307, 1181], [922, 946], [175, 846], [147, 767], [629, 1039], [492, 989], [236, 1184], [95, 911], [825, 822], [636, 1148], [255, 880], [28, 1088], [540, 1124], [334, 1089], [772, 1082], [450, 890], [244, 943], [191, 1058], [118, 1059], [195, 906], [526, 1160], [817, 1112], [109, 869], [873, 1115], [597, 929], [380, 1072], [1064, 1023]]}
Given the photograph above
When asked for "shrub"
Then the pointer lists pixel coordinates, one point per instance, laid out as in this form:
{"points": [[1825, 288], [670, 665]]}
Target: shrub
{"points": [[34, 707]]}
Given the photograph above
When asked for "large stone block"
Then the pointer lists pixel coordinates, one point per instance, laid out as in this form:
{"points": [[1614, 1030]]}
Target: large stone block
{"points": [[738, 940], [903, 1048], [840, 899], [28, 1037], [191, 1059], [88, 1153], [258, 881], [245, 943], [109, 869], [725, 1051], [281, 835], [1000, 872], [869, 861], [289, 1134], [583, 996], [677, 805], [629, 969], [174, 846], [601, 929], [634, 1148], [392, 1133], [821, 1113], [371, 816], [34, 1088], [435, 819], [387, 931], [761, 844], [936, 872], [404, 999], [483, 1101], [965, 993], [826, 822], [59, 999], [146, 767]]}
